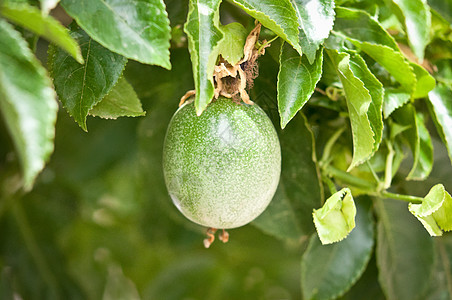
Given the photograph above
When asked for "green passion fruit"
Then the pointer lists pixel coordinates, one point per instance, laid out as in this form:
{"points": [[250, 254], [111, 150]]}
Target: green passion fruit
{"points": [[221, 168]]}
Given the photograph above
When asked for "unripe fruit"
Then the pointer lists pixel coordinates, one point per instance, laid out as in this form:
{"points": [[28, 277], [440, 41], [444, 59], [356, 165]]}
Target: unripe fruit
{"points": [[221, 168]]}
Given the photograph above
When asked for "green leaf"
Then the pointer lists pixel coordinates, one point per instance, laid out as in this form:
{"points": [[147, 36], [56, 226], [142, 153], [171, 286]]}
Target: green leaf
{"points": [[279, 16], [369, 36], [393, 99], [444, 8], [424, 81], [48, 5], [315, 20], [328, 271], [358, 102], [121, 101], [435, 211], [27, 103], [418, 139], [289, 213], [405, 252], [32, 19], [297, 79], [441, 111], [204, 37], [359, 26], [417, 20], [231, 46], [393, 61], [81, 87], [336, 219], [138, 30], [376, 91], [425, 162]]}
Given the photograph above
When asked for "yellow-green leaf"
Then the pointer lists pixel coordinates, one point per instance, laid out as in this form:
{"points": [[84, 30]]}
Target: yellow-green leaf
{"points": [[336, 219]]}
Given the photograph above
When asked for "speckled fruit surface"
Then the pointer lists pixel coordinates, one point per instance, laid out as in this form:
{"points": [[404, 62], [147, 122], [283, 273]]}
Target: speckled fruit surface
{"points": [[221, 168]]}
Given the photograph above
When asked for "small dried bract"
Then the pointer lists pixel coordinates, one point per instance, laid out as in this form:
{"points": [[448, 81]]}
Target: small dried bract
{"points": [[231, 80]]}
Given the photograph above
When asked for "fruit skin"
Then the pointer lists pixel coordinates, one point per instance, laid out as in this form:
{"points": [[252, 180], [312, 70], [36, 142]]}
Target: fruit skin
{"points": [[223, 167]]}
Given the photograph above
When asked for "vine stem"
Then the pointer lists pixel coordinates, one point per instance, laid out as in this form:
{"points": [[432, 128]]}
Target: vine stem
{"points": [[368, 186], [349, 178], [406, 198], [267, 43]]}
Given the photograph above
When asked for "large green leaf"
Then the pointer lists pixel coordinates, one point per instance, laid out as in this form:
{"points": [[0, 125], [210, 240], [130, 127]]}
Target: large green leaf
{"points": [[27, 103], [297, 79], [360, 26], [137, 29], [376, 91], [81, 87], [393, 99], [358, 103], [417, 20], [289, 215], [441, 110], [315, 19], [441, 283], [393, 61], [121, 101], [204, 37], [405, 252], [278, 16], [424, 81], [32, 19], [418, 138], [369, 36], [328, 271], [444, 8], [231, 46]]}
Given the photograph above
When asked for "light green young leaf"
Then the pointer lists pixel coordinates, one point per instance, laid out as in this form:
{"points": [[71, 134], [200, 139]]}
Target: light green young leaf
{"points": [[315, 20], [393, 99], [338, 266], [358, 102], [441, 111], [376, 91], [27, 103], [417, 20], [336, 219], [81, 87], [424, 81], [278, 16], [48, 5], [359, 26], [138, 30], [231, 46], [121, 101], [32, 19], [419, 141], [402, 244], [204, 37], [297, 79], [287, 216], [435, 211]]}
